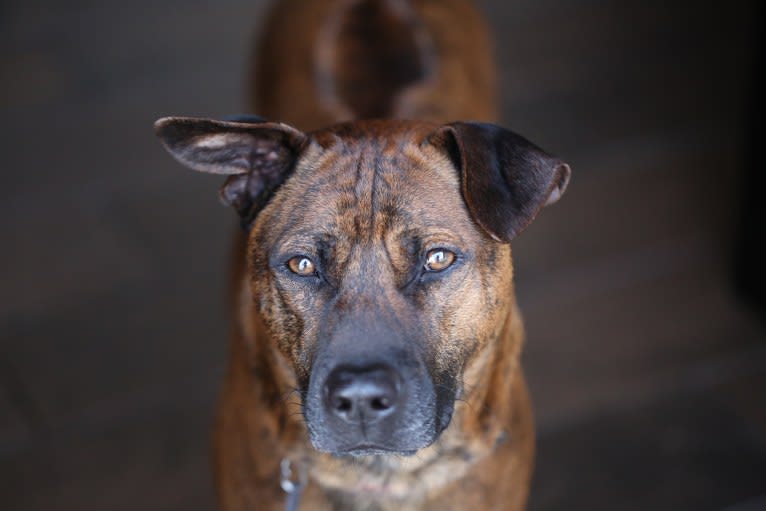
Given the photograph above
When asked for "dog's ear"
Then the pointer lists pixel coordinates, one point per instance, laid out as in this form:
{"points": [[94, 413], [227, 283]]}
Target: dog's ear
{"points": [[255, 154], [505, 179]]}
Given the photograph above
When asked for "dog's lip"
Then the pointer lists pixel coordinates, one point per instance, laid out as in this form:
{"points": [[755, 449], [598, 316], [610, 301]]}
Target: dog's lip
{"points": [[373, 450]]}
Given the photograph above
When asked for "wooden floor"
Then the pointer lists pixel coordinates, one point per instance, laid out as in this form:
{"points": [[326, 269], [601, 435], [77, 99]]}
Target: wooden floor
{"points": [[647, 373]]}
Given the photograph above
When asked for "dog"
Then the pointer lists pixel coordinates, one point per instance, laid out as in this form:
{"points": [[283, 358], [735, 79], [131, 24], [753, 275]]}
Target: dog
{"points": [[374, 361]]}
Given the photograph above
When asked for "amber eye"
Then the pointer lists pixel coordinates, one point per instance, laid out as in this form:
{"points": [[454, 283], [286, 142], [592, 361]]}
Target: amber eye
{"points": [[302, 266], [439, 259]]}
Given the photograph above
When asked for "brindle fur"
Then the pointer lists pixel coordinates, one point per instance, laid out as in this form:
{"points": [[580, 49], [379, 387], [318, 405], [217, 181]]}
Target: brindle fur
{"points": [[311, 51], [362, 193], [366, 189]]}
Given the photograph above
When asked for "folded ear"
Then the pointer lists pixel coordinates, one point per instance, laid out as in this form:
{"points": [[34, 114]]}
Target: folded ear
{"points": [[256, 155], [506, 179]]}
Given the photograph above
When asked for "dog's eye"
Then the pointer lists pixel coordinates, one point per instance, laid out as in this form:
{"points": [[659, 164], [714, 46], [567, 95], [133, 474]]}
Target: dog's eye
{"points": [[439, 259], [301, 265]]}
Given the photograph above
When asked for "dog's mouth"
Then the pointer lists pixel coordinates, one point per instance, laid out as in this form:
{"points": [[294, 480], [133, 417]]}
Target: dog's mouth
{"points": [[397, 434], [372, 450]]}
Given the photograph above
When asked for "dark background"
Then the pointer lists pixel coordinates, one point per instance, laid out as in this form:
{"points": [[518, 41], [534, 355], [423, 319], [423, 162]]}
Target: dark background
{"points": [[647, 368]]}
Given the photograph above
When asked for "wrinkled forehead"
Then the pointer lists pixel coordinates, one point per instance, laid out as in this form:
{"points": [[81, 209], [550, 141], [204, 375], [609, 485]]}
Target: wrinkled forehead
{"points": [[376, 187]]}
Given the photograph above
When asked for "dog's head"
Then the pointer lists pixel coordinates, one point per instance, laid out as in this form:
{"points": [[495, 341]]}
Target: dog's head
{"points": [[379, 260]]}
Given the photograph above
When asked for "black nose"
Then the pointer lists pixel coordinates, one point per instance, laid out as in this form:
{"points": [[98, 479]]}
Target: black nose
{"points": [[359, 395]]}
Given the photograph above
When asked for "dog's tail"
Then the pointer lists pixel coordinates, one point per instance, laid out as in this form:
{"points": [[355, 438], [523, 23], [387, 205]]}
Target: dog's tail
{"points": [[366, 59], [368, 53]]}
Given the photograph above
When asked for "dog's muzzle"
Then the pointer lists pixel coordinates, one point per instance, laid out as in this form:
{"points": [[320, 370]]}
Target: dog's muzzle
{"points": [[380, 407]]}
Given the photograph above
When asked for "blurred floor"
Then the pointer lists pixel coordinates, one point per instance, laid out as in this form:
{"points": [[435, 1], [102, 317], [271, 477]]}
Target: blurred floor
{"points": [[647, 374]]}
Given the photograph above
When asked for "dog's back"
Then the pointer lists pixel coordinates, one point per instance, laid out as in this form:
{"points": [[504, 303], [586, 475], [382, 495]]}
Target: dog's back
{"points": [[320, 62]]}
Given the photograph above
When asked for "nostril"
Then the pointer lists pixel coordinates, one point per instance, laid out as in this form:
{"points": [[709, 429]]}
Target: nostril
{"points": [[380, 404], [343, 404]]}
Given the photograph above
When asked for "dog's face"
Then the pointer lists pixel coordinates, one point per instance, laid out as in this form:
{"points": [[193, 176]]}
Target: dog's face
{"points": [[375, 282], [378, 258]]}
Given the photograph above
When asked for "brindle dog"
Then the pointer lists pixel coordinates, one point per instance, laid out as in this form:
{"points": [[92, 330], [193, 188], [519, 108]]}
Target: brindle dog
{"points": [[376, 335]]}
